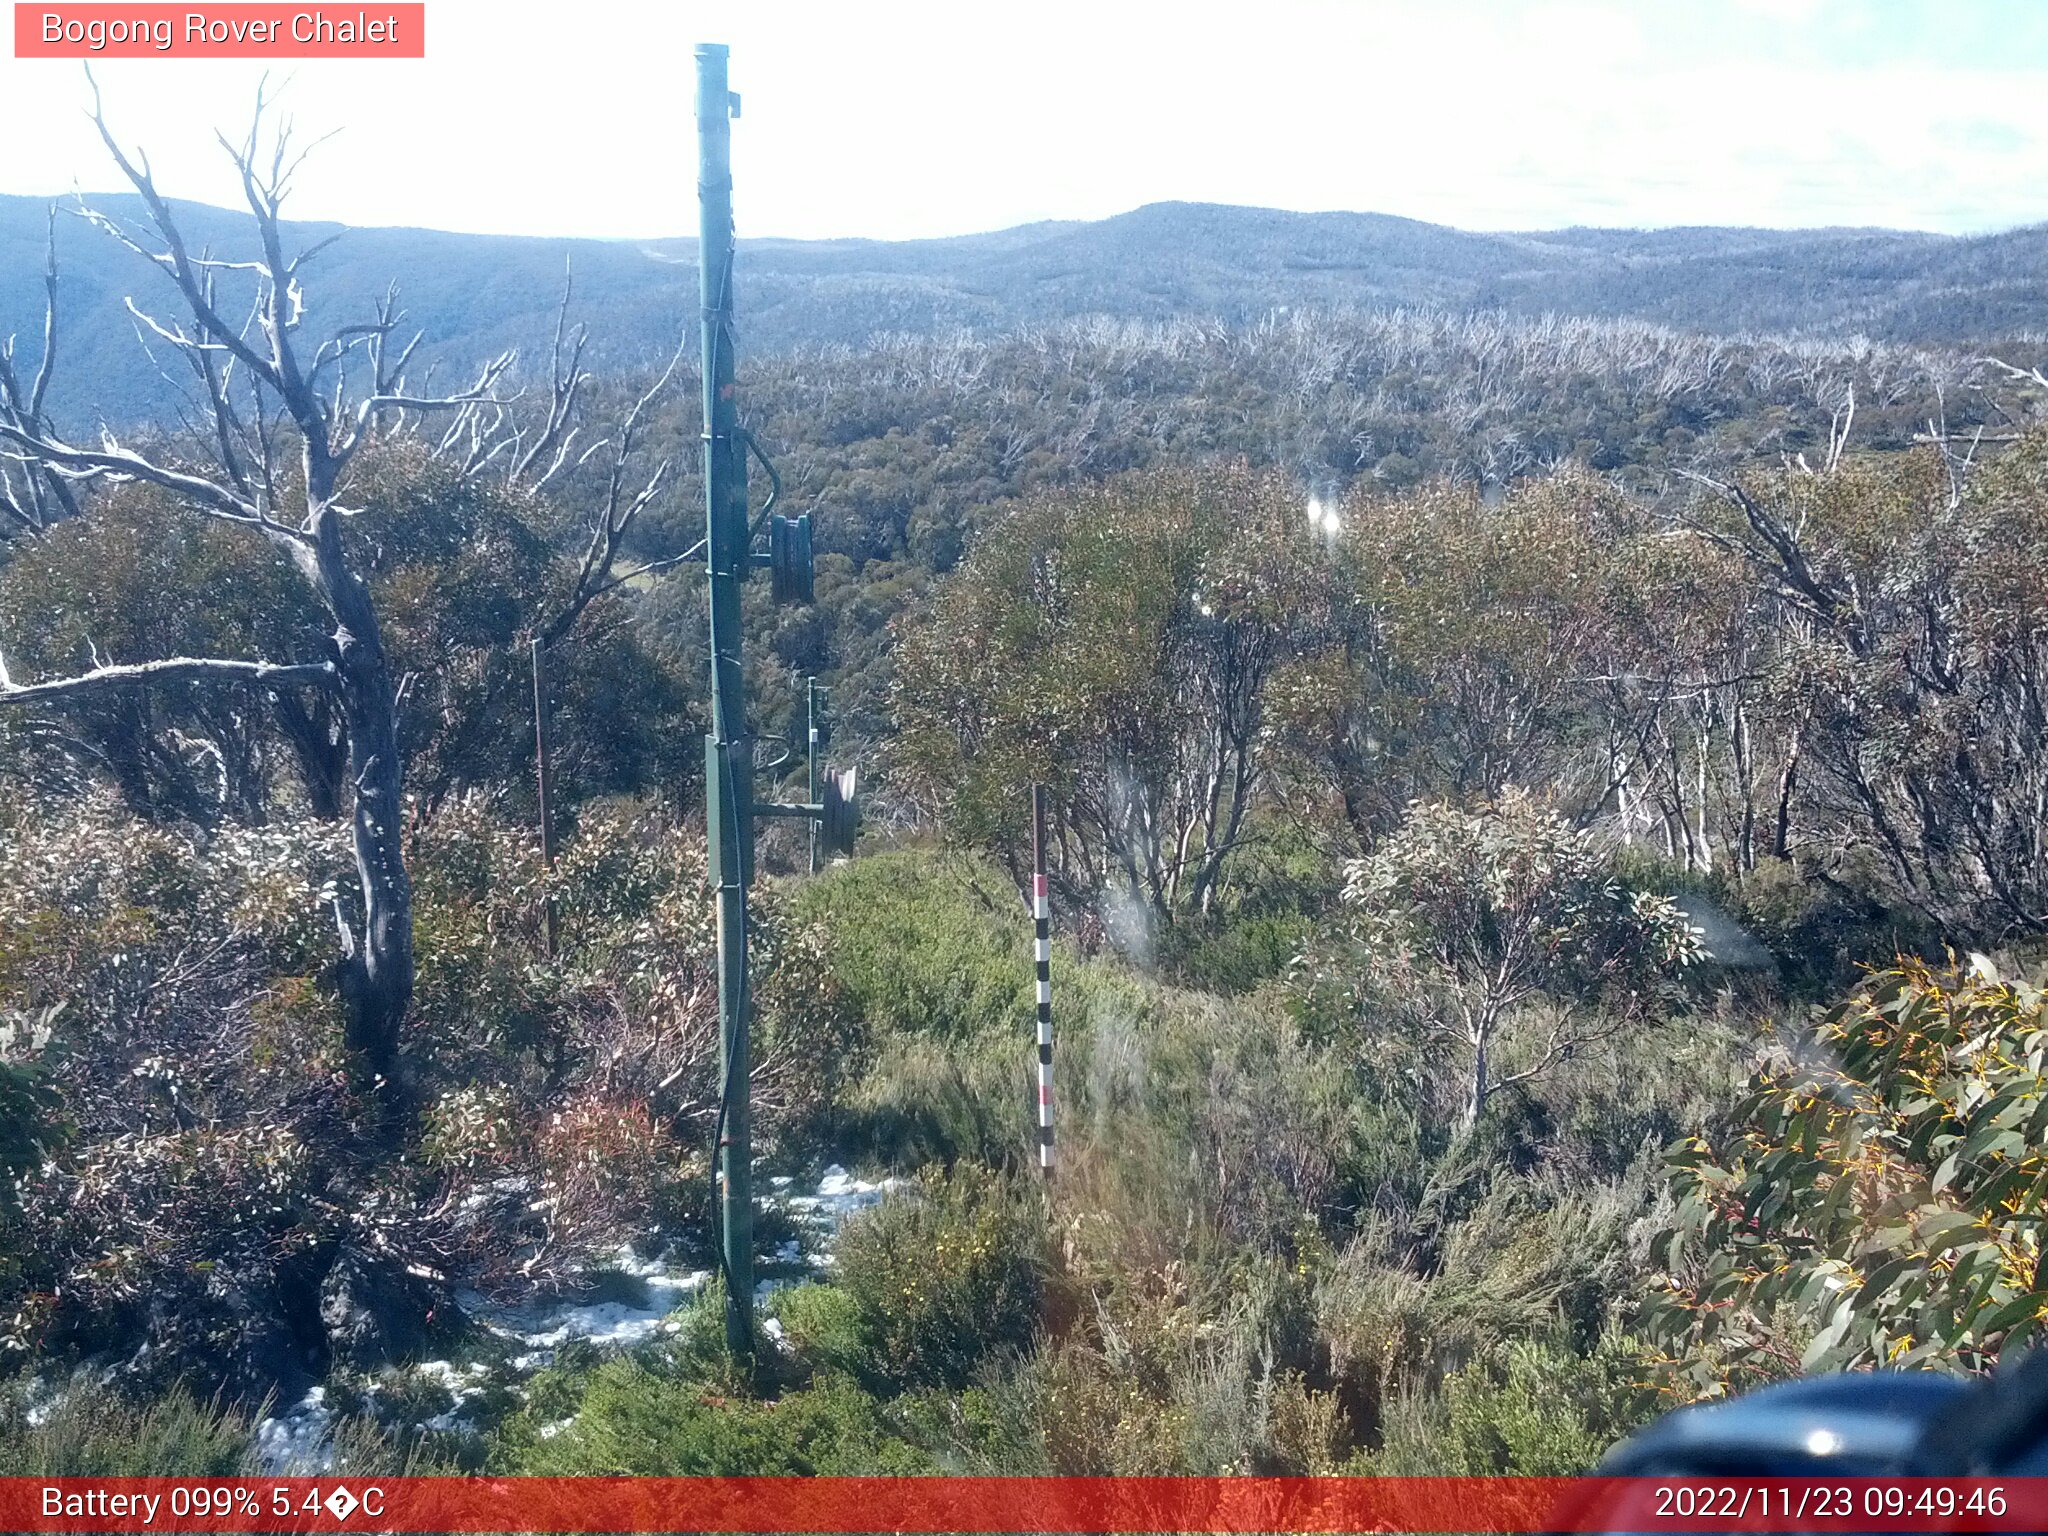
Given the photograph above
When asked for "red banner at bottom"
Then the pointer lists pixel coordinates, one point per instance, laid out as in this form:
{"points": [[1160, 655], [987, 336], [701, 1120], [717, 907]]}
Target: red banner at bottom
{"points": [[1005, 1505]]}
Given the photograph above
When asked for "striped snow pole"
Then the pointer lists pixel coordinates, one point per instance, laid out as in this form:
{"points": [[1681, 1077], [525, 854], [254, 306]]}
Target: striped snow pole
{"points": [[1041, 913]]}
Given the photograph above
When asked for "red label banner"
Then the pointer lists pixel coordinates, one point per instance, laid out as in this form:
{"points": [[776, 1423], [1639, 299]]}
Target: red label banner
{"points": [[1000, 1506], [223, 31]]}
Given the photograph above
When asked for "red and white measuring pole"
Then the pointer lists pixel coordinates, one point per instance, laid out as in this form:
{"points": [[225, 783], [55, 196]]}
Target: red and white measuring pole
{"points": [[1041, 913]]}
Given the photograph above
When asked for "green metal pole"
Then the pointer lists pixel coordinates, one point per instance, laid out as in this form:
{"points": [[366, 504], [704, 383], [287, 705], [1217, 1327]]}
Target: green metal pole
{"points": [[728, 789]]}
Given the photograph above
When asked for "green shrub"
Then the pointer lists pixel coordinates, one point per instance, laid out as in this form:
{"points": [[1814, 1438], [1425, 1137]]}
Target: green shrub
{"points": [[636, 1422], [91, 1433], [823, 1326], [1228, 953], [931, 955], [1478, 925], [30, 1128], [1219, 1104], [927, 945], [924, 1101], [696, 1350], [1095, 1419], [1265, 911], [945, 1275], [1170, 1396], [1531, 1410]]}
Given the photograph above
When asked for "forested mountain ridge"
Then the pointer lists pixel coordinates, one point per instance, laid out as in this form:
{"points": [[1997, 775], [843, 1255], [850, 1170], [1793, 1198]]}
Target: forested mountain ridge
{"points": [[477, 294]]}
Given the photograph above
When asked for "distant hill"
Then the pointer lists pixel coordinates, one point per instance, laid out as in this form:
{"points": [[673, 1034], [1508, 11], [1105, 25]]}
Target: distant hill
{"points": [[476, 294]]}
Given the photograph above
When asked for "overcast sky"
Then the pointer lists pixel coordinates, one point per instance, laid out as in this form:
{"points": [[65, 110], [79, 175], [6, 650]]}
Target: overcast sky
{"points": [[897, 118]]}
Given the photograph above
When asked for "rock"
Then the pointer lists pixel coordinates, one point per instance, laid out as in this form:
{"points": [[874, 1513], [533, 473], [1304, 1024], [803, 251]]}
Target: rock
{"points": [[232, 1333], [378, 1311]]}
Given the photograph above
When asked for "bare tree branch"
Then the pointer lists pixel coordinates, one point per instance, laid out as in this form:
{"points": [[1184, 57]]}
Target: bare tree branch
{"points": [[176, 669], [34, 411], [174, 259], [2024, 375], [48, 496], [1786, 560], [565, 383], [613, 522], [111, 458]]}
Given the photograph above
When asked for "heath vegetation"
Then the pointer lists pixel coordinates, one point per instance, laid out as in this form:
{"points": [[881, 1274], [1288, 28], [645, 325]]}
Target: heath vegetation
{"points": [[1547, 856]]}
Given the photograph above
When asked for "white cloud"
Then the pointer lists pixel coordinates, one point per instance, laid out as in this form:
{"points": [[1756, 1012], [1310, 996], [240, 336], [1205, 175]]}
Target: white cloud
{"points": [[1783, 10]]}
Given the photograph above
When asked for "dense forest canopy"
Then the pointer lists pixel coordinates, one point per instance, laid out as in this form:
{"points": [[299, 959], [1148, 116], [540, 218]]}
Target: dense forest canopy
{"points": [[1478, 740]]}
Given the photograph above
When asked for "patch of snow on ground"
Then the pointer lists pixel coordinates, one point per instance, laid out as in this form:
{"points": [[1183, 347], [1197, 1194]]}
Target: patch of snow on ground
{"points": [[461, 1385], [602, 1322], [446, 1375], [300, 1439], [43, 1399], [547, 1325], [839, 1196]]}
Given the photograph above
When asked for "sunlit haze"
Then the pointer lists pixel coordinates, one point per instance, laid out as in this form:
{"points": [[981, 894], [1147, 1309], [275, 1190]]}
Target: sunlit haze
{"points": [[895, 120]]}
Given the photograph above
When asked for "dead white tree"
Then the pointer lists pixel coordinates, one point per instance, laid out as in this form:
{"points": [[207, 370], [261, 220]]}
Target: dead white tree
{"points": [[31, 496], [272, 458]]}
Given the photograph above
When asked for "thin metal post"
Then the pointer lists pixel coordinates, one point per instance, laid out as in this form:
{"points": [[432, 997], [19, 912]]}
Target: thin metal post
{"points": [[544, 771], [811, 758], [1041, 913], [729, 762]]}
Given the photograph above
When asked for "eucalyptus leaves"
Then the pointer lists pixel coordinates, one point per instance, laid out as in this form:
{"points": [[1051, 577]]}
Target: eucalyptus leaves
{"points": [[1880, 1200]]}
